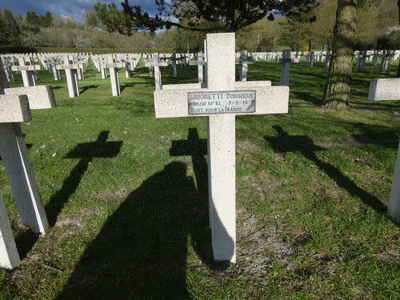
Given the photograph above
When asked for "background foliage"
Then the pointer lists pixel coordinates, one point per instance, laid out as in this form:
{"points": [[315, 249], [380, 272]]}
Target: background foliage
{"points": [[376, 28]]}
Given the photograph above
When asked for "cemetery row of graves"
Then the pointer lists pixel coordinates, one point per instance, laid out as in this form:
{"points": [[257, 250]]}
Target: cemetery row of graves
{"points": [[128, 194], [75, 65]]}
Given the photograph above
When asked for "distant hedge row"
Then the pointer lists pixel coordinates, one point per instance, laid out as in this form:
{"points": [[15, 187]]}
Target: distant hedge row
{"points": [[4, 50]]}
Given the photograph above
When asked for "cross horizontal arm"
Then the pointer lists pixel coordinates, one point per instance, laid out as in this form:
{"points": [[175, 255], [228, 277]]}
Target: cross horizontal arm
{"points": [[156, 64], [175, 103], [14, 109], [113, 65], [39, 97], [25, 68], [73, 66]]}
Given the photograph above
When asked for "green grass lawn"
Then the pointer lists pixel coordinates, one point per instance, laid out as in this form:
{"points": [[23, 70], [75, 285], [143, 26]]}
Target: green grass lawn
{"points": [[127, 197]]}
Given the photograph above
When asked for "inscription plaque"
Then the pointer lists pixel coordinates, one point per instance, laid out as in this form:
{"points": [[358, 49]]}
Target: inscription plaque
{"points": [[203, 103]]}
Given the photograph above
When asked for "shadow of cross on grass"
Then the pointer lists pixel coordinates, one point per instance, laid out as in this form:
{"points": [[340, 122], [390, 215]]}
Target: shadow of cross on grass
{"points": [[303, 144], [197, 149], [86, 152]]}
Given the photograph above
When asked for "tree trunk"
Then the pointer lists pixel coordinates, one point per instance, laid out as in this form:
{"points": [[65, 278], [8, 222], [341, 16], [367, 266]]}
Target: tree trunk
{"points": [[338, 85]]}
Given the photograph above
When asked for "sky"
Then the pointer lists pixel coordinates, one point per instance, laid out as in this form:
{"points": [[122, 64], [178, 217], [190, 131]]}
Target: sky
{"points": [[69, 8]]}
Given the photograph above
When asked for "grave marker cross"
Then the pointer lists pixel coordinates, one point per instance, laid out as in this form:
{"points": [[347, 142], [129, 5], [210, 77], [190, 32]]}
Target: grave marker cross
{"points": [[285, 71], [27, 72], [14, 155], [244, 61], [114, 77], [71, 74], [221, 101], [199, 62], [156, 64]]}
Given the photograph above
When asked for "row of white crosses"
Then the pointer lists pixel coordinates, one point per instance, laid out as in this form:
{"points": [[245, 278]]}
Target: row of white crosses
{"points": [[130, 59], [387, 57], [153, 62], [220, 99], [15, 108], [51, 60], [8, 61], [98, 59], [113, 62]]}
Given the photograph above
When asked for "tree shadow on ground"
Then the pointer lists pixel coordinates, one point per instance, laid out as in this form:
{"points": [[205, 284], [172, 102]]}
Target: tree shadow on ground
{"points": [[303, 144], [389, 106], [307, 97], [389, 139], [141, 251]]}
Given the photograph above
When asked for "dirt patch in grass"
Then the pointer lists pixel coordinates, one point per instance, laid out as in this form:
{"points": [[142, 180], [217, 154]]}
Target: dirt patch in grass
{"points": [[391, 256], [249, 146], [44, 253], [258, 247], [111, 195], [263, 183]]}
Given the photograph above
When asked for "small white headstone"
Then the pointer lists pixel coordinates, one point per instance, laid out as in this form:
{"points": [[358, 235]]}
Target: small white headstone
{"points": [[384, 89]]}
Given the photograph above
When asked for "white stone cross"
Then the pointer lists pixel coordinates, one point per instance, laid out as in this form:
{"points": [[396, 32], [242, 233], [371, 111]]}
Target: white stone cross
{"points": [[114, 77], [174, 59], [244, 62], [56, 73], [127, 71], [200, 62], [15, 108], [71, 73], [221, 101], [27, 72], [156, 64], [97, 60], [7, 69], [9, 257], [15, 155]]}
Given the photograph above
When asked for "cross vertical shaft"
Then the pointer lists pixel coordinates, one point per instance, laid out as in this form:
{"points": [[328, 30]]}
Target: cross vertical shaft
{"points": [[221, 149]]}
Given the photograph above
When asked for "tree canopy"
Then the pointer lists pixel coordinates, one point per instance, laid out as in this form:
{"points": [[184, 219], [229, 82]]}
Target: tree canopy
{"points": [[38, 20], [9, 29], [213, 15], [113, 19]]}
